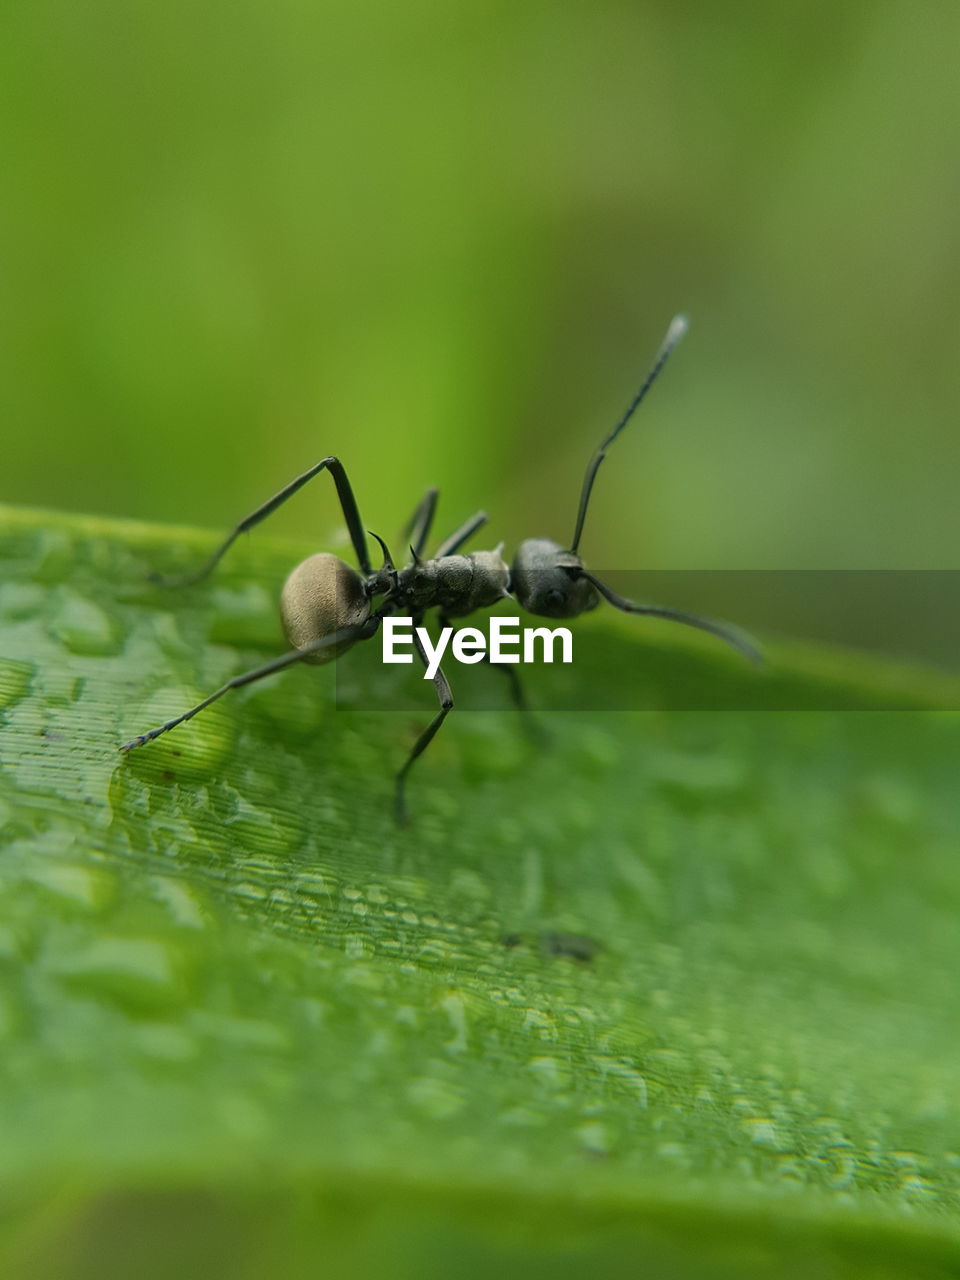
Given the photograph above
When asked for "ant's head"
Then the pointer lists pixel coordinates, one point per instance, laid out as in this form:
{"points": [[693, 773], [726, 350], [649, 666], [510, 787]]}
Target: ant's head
{"points": [[548, 581]]}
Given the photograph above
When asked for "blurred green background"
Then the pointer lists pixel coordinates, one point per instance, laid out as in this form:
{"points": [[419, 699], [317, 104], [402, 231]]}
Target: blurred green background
{"points": [[443, 242]]}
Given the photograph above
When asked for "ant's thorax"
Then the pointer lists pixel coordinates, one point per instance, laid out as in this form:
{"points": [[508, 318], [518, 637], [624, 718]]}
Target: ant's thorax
{"points": [[456, 585]]}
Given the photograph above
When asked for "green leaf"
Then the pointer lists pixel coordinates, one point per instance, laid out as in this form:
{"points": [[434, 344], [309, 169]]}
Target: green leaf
{"points": [[677, 992]]}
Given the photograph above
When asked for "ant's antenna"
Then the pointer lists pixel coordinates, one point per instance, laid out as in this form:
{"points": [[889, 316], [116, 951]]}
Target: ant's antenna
{"points": [[678, 327], [734, 637]]}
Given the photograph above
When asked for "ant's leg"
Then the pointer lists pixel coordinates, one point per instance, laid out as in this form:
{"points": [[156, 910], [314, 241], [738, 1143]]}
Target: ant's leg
{"points": [[518, 697], [531, 725], [417, 529], [348, 505], [445, 698], [461, 535], [361, 632]]}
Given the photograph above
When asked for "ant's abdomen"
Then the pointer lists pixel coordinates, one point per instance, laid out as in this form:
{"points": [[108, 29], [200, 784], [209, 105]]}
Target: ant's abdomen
{"points": [[321, 596]]}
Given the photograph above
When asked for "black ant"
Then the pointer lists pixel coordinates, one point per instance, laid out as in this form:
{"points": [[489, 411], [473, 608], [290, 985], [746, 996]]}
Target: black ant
{"points": [[327, 606]]}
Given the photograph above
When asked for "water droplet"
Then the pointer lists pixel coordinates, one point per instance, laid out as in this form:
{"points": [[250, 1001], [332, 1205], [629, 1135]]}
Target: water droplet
{"points": [[182, 902], [139, 972], [699, 776], [551, 1071], [244, 617], [523, 1117], [11, 946], [21, 600], [468, 884], [242, 1116], [83, 627], [166, 1042], [906, 1159], [917, 1188], [631, 1077], [246, 1033], [595, 1137], [892, 799], [762, 1130], [54, 556], [437, 1099], [14, 681], [456, 1010], [10, 1020], [87, 887], [597, 747]]}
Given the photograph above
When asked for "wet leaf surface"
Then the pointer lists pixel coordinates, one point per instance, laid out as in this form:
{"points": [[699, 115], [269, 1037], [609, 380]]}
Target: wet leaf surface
{"points": [[678, 986]]}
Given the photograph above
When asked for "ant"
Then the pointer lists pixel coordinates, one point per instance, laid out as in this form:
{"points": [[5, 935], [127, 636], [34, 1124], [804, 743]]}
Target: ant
{"points": [[327, 606]]}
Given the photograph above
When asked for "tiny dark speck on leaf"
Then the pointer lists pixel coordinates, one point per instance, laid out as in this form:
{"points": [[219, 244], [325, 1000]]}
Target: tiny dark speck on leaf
{"points": [[168, 775], [572, 945], [512, 940]]}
